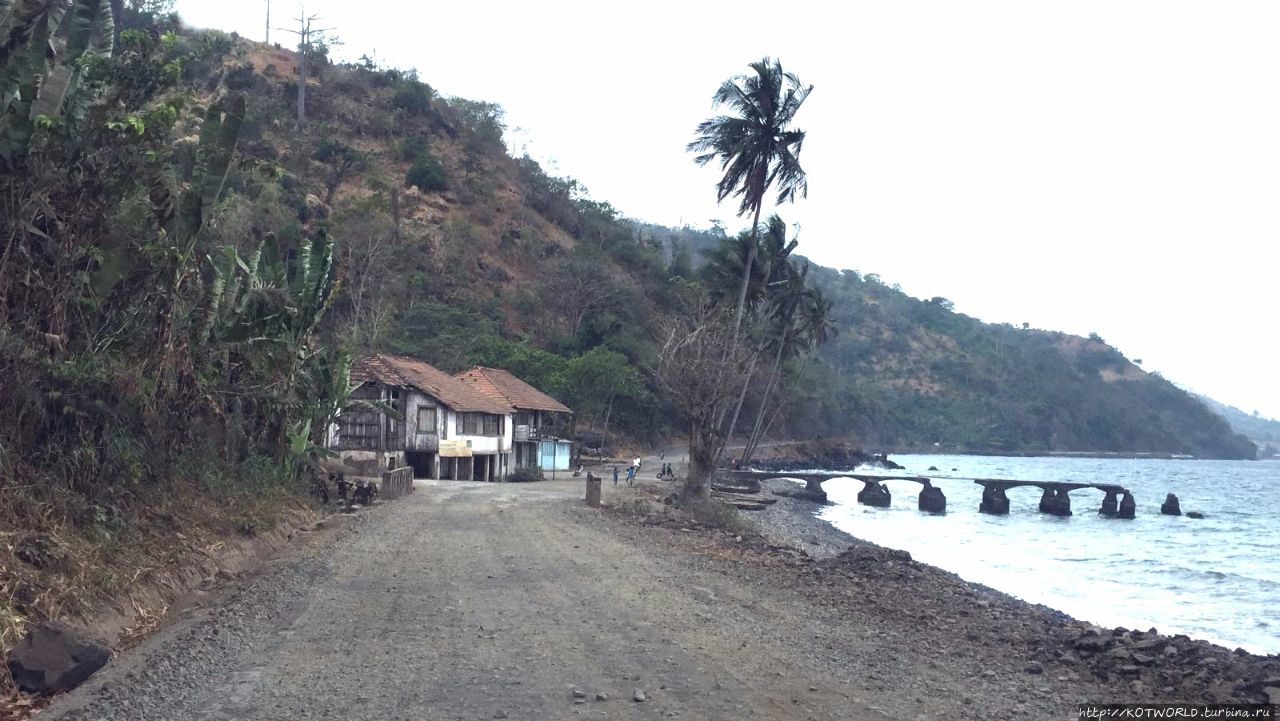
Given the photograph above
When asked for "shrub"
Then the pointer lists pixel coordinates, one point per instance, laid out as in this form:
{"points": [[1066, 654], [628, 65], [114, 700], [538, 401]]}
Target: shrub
{"points": [[413, 97], [239, 76], [427, 174], [411, 147], [525, 475]]}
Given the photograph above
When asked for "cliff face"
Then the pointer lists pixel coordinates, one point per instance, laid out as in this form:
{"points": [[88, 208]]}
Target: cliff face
{"points": [[457, 252]]}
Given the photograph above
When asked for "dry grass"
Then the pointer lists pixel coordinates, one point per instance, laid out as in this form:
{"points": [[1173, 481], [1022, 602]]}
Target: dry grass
{"points": [[52, 567]]}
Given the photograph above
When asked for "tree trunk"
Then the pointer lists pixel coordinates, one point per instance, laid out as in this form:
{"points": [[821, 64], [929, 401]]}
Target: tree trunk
{"points": [[777, 411], [737, 409], [702, 462], [775, 376], [302, 79], [604, 435], [746, 276]]}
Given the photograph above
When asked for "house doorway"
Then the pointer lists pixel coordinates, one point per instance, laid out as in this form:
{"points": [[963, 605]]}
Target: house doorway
{"points": [[422, 462]]}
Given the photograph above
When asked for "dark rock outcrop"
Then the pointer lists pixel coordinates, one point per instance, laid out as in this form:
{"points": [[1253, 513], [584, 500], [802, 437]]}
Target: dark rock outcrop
{"points": [[54, 658], [824, 456], [1171, 507]]}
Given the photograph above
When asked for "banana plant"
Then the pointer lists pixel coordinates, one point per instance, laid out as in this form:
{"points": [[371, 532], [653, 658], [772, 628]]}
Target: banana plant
{"points": [[184, 205], [50, 71]]}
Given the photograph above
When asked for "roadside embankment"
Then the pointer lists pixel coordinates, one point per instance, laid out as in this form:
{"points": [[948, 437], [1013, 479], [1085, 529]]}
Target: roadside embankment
{"points": [[107, 591]]}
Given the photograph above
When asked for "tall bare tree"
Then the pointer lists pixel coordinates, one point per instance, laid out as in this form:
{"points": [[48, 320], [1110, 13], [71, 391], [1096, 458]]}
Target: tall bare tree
{"points": [[309, 39], [691, 368]]}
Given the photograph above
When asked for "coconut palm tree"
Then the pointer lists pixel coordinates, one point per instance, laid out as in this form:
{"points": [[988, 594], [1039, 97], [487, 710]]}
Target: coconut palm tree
{"points": [[756, 146]]}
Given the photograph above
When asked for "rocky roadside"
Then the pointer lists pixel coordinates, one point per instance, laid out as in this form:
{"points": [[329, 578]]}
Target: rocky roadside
{"points": [[1135, 665]]}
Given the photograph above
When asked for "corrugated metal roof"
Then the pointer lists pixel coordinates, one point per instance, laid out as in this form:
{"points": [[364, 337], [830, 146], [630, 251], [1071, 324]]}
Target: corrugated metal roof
{"points": [[405, 372], [501, 385]]}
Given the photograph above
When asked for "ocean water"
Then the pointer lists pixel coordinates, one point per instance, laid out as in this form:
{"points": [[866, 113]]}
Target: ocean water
{"points": [[1216, 578]]}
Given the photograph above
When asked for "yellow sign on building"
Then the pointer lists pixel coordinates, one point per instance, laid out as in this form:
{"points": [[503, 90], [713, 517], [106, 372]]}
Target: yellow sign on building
{"points": [[455, 449]]}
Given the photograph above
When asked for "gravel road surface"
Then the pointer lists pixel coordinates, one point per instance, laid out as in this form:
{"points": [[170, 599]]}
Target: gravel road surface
{"points": [[477, 601]]}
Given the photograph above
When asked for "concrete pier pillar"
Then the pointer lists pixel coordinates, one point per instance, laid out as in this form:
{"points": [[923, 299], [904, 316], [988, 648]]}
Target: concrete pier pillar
{"points": [[994, 501], [874, 494], [1171, 507], [1109, 504], [1055, 502], [593, 490], [813, 490], [1128, 509], [932, 500]]}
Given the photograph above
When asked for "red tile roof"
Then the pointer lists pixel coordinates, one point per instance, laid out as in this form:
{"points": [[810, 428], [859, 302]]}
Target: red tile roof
{"points": [[405, 372], [501, 385]]}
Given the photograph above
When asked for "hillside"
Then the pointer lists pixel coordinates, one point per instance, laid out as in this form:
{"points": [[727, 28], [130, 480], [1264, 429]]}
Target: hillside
{"points": [[1264, 432], [494, 261]]}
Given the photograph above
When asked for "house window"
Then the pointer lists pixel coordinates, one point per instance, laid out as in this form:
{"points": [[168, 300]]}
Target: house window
{"points": [[426, 420], [479, 424], [492, 425], [524, 418], [469, 424], [393, 426], [361, 429]]}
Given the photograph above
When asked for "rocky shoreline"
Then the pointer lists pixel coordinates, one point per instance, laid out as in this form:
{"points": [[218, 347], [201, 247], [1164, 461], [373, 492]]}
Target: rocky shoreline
{"points": [[1139, 665]]}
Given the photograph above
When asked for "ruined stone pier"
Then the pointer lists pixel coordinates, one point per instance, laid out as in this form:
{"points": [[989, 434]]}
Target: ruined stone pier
{"points": [[874, 492], [1117, 501], [1055, 499]]}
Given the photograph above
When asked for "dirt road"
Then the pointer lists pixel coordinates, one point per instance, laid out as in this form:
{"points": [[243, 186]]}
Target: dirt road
{"points": [[515, 601], [476, 601]]}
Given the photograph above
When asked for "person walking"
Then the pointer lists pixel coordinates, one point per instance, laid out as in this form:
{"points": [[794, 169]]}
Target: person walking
{"points": [[631, 476], [615, 476]]}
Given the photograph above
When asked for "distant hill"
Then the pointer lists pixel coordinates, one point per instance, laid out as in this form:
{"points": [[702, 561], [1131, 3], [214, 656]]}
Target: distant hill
{"points": [[456, 252], [1262, 431]]}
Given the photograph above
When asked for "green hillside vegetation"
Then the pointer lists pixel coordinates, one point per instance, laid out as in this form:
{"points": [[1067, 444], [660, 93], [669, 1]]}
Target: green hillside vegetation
{"points": [[914, 373], [185, 274], [1263, 431]]}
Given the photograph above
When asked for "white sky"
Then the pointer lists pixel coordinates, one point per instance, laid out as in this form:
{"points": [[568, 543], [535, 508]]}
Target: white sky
{"points": [[1108, 166]]}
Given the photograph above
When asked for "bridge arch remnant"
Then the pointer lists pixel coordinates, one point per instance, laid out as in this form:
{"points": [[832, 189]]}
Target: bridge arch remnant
{"points": [[1055, 499]]}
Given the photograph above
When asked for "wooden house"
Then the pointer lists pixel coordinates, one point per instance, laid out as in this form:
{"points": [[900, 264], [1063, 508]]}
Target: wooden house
{"points": [[540, 423], [445, 429]]}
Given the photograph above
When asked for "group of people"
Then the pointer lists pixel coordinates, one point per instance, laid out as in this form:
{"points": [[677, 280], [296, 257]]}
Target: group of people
{"points": [[666, 471], [632, 470]]}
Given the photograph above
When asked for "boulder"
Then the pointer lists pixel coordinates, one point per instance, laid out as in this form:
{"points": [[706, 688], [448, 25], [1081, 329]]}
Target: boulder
{"points": [[1171, 507], [1195, 514], [54, 657]]}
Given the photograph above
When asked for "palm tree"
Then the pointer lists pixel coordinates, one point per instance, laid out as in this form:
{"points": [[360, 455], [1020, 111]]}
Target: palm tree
{"points": [[756, 146], [814, 326]]}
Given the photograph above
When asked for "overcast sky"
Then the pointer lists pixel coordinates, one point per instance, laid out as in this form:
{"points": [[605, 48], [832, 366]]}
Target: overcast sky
{"points": [[1086, 166]]}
